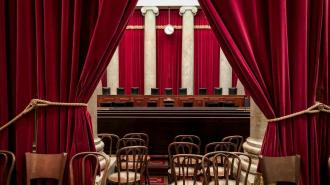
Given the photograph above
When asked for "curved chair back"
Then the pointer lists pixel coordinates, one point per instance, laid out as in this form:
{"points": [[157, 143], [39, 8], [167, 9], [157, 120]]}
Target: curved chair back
{"points": [[124, 142], [49, 166], [280, 169], [7, 163], [183, 148], [185, 170], [110, 141], [188, 138], [143, 136], [220, 146], [236, 139], [131, 164], [83, 160], [229, 163]]}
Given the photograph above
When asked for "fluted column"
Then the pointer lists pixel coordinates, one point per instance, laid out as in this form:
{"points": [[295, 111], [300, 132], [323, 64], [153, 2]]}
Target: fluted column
{"points": [[187, 79], [149, 14], [225, 74], [258, 124], [113, 73], [92, 109]]}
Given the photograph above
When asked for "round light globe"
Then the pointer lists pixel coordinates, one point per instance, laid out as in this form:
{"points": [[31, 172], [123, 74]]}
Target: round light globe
{"points": [[169, 29]]}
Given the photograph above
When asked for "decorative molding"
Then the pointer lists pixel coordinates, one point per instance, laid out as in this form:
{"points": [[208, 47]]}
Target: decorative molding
{"points": [[141, 27], [145, 9], [184, 9]]}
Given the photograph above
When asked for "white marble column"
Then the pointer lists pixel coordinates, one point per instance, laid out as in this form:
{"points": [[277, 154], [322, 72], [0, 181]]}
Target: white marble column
{"points": [[149, 14], [225, 74], [92, 109], [240, 88], [113, 73], [252, 146], [187, 79]]}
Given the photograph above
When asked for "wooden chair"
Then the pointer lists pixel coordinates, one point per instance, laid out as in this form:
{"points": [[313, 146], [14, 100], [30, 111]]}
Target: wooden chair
{"points": [[280, 169], [131, 164], [7, 163], [49, 166], [176, 148], [188, 138], [110, 141], [96, 162], [143, 136], [184, 171], [236, 139], [231, 164], [220, 146], [124, 142], [132, 141]]}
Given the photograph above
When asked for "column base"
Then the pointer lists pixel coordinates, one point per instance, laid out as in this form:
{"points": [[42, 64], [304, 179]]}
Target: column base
{"points": [[99, 145], [252, 146]]}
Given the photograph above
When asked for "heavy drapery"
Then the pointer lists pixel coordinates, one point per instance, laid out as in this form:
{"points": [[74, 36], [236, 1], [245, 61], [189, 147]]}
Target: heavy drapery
{"points": [[274, 48], [54, 50], [131, 55], [206, 56], [169, 52]]}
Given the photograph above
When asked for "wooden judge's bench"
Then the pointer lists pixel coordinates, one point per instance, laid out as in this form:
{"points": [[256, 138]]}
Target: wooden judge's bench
{"points": [[163, 117], [171, 101]]}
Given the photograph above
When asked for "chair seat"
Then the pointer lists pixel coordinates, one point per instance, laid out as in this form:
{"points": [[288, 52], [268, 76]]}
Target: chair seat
{"points": [[179, 170], [193, 161], [123, 177], [187, 182], [223, 182], [221, 171]]}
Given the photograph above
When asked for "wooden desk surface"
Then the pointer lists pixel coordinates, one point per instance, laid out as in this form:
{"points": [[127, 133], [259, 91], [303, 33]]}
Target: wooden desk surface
{"points": [[178, 101]]}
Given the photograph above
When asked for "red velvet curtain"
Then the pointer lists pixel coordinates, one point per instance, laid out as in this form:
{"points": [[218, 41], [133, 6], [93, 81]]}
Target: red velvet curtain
{"points": [[206, 56], [54, 50], [274, 48], [234, 79], [131, 55], [104, 79], [169, 52]]}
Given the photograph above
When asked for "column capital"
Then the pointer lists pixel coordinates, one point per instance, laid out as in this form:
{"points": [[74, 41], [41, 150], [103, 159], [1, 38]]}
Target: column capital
{"points": [[145, 9], [184, 9]]}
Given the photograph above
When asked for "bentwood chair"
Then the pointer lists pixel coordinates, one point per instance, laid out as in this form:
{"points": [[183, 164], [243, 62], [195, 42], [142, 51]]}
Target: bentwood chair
{"points": [[184, 171], [131, 164], [176, 148], [143, 136], [45, 166], [220, 146], [188, 138], [230, 162], [110, 141], [236, 139], [92, 162], [7, 163], [280, 169], [132, 140]]}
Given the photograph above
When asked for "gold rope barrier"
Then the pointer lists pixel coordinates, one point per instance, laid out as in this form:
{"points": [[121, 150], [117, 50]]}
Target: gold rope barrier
{"points": [[34, 103], [316, 108]]}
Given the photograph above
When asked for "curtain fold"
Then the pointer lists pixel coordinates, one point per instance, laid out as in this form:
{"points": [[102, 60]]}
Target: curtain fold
{"points": [[58, 51], [274, 48], [206, 56], [169, 52], [131, 55]]}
